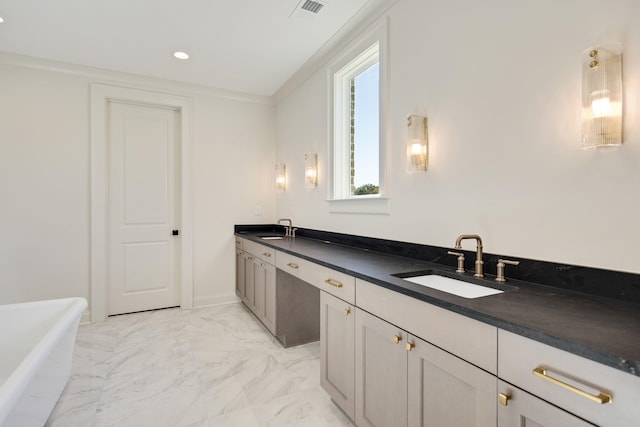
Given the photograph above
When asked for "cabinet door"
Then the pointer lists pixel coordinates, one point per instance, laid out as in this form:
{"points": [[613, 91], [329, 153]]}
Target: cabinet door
{"points": [[264, 293], [248, 280], [381, 372], [269, 318], [240, 273], [259, 286], [519, 408], [337, 351], [444, 390]]}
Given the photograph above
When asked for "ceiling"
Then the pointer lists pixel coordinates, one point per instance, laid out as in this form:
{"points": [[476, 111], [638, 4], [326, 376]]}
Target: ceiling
{"points": [[251, 46]]}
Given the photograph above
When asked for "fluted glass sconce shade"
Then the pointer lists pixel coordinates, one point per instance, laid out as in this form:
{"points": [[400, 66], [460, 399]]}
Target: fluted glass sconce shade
{"points": [[417, 144], [281, 178], [310, 169], [602, 97]]}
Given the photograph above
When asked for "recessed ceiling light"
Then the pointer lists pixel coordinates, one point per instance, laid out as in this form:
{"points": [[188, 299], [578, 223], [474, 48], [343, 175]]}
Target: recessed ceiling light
{"points": [[1, 20], [181, 55]]}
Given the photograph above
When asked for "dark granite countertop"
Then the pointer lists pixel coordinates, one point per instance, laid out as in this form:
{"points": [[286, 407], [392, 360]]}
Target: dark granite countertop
{"points": [[601, 329]]}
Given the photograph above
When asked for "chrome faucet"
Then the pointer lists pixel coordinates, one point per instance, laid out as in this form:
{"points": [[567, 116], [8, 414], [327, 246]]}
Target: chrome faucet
{"points": [[479, 262], [288, 230]]}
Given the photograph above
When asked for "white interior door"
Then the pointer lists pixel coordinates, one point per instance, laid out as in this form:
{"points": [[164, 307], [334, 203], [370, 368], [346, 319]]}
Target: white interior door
{"points": [[143, 143]]}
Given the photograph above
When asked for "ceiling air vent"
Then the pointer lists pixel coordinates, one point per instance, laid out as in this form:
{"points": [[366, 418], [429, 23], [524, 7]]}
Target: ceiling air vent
{"points": [[307, 10], [312, 6]]}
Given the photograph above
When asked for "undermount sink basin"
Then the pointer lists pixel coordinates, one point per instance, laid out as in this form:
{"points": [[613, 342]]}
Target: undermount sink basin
{"points": [[272, 237], [452, 286]]}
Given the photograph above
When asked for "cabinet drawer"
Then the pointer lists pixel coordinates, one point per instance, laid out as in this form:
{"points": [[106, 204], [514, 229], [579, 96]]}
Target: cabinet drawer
{"points": [[523, 409], [469, 339], [265, 253], [291, 264], [331, 281], [567, 380], [334, 282]]}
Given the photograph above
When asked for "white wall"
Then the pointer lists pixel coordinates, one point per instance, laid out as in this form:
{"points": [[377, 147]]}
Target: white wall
{"points": [[500, 83], [233, 166], [45, 175]]}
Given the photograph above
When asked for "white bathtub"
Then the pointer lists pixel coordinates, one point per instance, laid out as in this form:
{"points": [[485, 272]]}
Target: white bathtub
{"points": [[36, 348]]}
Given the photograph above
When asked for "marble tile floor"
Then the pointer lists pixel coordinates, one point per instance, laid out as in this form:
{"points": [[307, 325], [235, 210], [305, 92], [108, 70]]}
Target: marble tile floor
{"points": [[214, 366]]}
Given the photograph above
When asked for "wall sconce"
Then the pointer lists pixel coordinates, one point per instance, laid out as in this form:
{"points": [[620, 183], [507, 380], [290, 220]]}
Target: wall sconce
{"points": [[310, 169], [417, 144], [602, 97], [281, 177]]}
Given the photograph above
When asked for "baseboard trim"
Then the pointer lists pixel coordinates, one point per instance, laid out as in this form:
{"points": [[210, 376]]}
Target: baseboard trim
{"points": [[199, 302], [85, 319]]}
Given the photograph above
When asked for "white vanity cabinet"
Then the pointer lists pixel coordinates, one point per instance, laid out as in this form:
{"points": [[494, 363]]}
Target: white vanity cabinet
{"points": [[337, 351], [594, 392], [403, 380]]}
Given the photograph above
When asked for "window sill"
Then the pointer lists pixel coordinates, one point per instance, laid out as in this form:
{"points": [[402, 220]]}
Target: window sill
{"points": [[373, 205]]}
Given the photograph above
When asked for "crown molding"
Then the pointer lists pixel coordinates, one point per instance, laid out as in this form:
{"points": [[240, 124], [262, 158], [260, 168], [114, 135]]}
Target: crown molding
{"points": [[340, 41], [99, 75]]}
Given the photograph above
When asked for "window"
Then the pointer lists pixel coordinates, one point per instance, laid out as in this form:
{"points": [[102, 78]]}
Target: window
{"points": [[356, 132], [357, 149]]}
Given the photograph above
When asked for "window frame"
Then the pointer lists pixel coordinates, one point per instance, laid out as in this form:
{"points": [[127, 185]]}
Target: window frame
{"points": [[342, 117], [355, 58]]}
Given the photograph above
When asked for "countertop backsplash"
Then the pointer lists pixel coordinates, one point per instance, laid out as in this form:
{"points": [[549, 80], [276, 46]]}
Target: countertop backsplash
{"points": [[594, 281]]}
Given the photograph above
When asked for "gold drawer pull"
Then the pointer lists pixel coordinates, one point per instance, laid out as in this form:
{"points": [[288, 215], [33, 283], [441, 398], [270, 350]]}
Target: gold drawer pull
{"points": [[250, 258], [601, 398], [397, 338], [292, 265], [504, 398], [267, 254], [410, 346], [333, 283], [347, 311]]}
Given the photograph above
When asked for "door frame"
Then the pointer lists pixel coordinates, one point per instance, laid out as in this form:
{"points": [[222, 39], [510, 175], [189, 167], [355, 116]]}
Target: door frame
{"points": [[101, 95]]}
